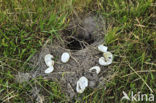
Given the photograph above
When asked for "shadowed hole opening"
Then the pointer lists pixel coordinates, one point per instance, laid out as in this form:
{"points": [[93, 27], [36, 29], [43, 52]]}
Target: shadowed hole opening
{"points": [[74, 44], [75, 39], [77, 43]]}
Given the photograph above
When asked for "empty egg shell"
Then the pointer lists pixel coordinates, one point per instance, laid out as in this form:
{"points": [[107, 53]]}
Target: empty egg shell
{"points": [[48, 56], [82, 83], [65, 57], [107, 59], [102, 48], [79, 89], [108, 56], [102, 61], [97, 68], [49, 70], [48, 60], [49, 63]]}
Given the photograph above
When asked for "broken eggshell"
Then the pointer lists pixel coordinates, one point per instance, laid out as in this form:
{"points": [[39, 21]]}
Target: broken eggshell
{"points": [[107, 59], [82, 83], [102, 48], [65, 57], [97, 68], [108, 56], [49, 70], [48, 60], [49, 63]]}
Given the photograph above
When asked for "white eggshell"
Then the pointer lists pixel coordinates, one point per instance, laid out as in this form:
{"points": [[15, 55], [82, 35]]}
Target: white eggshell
{"points": [[49, 63], [102, 61], [78, 88], [82, 83], [48, 60], [65, 57], [102, 48], [107, 59], [97, 68], [49, 70], [108, 56], [48, 56]]}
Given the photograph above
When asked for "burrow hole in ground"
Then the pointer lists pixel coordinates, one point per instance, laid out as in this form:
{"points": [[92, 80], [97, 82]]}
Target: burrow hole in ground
{"points": [[76, 41]]}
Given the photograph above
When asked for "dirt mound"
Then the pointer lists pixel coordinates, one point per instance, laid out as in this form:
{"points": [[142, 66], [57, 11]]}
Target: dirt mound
{"points": [[80, 39]]}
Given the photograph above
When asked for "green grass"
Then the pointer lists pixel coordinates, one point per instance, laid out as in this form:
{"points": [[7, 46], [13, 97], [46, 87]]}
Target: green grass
{"points": [[26, 25]]}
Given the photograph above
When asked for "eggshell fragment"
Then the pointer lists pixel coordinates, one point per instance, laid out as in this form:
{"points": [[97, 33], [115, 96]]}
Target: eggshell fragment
{"points": [[107, 59], [102, 61], [49, 70], [48, 60], [50, 63], [102, 48], [79, 89], [82, 83], [97, 68], [108, 56], [65, 57], [48, 56]]}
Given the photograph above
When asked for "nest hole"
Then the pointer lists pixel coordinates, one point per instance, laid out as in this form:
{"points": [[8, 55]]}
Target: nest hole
{"points": [[74, 44], [78, 43]]}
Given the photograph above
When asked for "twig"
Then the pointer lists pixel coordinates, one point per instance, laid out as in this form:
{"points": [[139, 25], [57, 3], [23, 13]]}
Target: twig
{"points": [[150, 63], [143, 71], [140, 77]]}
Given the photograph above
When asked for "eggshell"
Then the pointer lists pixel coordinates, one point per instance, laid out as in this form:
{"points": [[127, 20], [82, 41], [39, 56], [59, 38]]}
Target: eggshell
{"points": [[49, 63], [82, 83], [78, 88], [97, 68], [49, 70], [48, 56], [107, 59], [108, 56], [48, 60], [102, 48], [65, 57], [102, 61]]}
